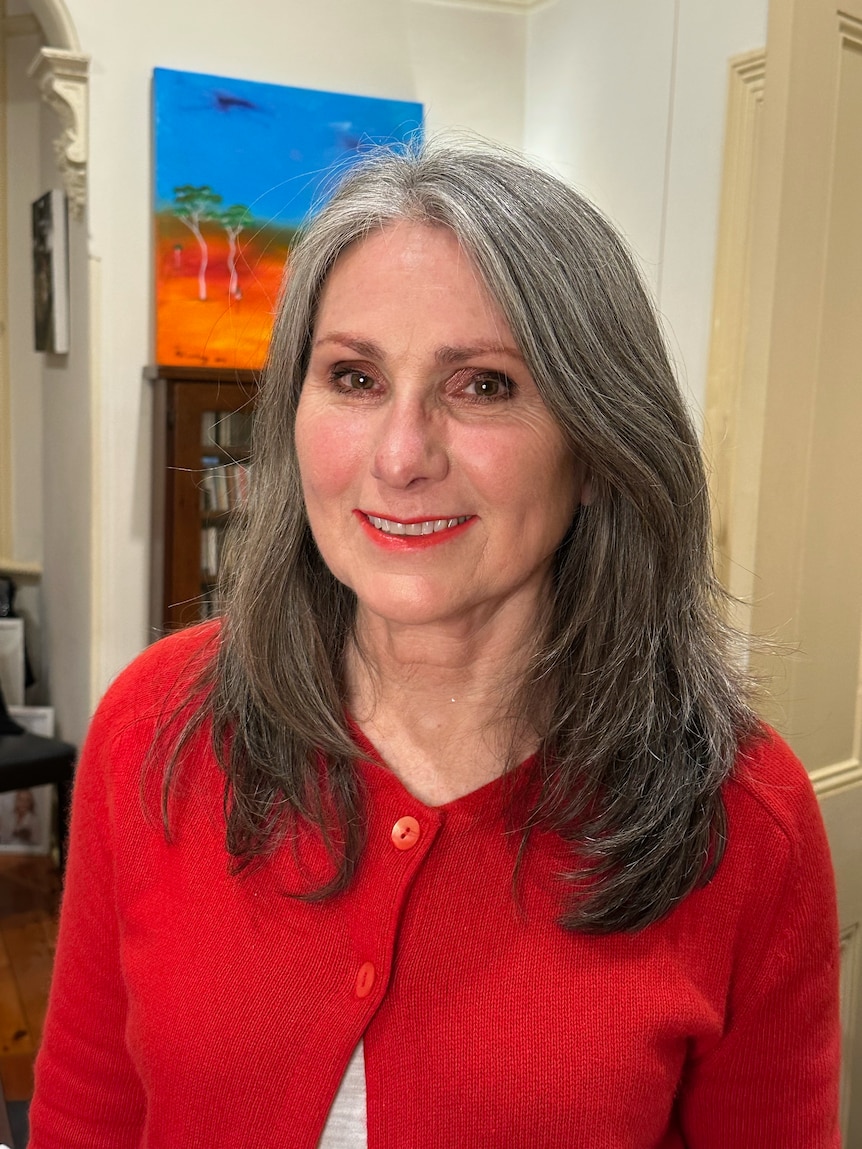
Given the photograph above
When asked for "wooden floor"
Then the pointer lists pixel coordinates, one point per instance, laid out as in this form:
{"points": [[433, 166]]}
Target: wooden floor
{"points": [[29, 900]]}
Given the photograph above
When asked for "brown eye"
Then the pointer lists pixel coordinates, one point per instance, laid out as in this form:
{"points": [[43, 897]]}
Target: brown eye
{"points": [[487, 387], [490, 386], [354, 380]]}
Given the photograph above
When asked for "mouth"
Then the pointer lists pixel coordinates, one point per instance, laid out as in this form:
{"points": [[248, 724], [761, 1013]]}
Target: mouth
{"points": [[406, 537], [413, 529]]}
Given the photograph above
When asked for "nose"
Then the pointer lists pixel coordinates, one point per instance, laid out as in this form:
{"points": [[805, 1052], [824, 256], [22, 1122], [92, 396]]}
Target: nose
{"points": [[410, 444]]}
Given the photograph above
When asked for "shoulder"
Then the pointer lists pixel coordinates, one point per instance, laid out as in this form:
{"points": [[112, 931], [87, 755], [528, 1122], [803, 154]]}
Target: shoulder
{"points": [[771, 788], [777, 859], [170, 667], [159, 687]]}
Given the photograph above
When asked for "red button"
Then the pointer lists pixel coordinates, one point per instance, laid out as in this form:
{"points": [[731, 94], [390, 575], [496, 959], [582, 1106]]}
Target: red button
{"points": [[364, 979], [405, 833]]}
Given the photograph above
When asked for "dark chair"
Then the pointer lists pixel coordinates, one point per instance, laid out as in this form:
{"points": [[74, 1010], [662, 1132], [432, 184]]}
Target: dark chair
{"points": [[5, 1128], [31, 760]]}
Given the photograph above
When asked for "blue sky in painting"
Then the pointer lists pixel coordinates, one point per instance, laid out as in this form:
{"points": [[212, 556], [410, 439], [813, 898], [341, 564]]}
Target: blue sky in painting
{"points": [[266, 146]]}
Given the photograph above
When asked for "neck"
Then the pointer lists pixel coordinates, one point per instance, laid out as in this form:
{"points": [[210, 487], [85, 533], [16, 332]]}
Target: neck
{"points": [[437, 702]]}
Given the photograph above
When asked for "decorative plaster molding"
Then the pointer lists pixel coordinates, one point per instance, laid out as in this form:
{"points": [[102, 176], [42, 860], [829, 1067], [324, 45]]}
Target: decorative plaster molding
{"points": [[56, 23], [850, 30], [63, 80], [836, 778], [492, 5]]}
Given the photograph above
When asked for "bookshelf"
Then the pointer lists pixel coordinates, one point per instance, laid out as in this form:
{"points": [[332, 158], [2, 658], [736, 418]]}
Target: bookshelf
{"points": [[201, 433]]}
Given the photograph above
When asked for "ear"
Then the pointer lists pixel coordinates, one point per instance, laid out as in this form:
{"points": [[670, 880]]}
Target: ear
{"points": [[586, 495]]}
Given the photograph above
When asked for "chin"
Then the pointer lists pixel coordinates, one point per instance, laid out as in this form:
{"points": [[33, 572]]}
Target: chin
{"points": [[407, 609]]}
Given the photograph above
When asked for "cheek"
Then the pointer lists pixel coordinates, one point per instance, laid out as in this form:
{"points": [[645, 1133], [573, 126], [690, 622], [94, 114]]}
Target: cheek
{"points": [[522, 472], [328, 453]]}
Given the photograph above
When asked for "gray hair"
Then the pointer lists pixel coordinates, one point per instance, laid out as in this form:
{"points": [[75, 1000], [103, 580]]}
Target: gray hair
{"points": [[635, 680]]}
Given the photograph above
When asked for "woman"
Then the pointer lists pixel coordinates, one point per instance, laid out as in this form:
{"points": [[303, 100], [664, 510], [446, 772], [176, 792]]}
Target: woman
{"points": [[470, 835]]}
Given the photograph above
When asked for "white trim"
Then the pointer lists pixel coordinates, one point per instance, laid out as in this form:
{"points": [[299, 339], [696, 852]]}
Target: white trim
{"points": [[15, 567], [62, 78], [838, 777], [94, 286], [734, 456]]}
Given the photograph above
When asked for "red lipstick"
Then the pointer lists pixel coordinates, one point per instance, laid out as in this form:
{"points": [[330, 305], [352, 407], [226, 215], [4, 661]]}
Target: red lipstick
{"points": [[410, 543]]}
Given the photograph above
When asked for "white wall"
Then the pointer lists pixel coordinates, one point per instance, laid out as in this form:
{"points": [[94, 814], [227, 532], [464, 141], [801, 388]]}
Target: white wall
{"points": [[626, 98], [470, 68]]}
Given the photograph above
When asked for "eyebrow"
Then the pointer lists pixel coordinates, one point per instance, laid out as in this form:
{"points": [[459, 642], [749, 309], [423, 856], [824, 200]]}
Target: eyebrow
{"points": [[445, 356]]}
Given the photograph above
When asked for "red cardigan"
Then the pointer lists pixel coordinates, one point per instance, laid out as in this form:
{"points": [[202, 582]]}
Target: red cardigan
{"points": [[195, 1008]]}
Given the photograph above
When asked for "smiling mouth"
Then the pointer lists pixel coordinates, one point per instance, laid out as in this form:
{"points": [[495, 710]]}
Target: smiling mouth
{"points": [[426, 527]]}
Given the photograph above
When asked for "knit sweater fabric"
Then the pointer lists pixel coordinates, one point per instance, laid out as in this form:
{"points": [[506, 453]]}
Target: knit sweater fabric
{"points": [[192, 1006]]}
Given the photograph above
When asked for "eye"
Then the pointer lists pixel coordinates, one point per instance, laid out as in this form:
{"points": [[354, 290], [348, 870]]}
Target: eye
{"points": [[352, 379], [490, 385]]}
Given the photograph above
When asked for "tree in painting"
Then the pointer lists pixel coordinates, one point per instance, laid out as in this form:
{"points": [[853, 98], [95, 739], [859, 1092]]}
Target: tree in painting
{"points": [[193, 205], [233, 219]]}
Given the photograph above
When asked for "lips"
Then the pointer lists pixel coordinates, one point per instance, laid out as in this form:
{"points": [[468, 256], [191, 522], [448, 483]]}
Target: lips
{"points": [[399, 536], [421, 527]]}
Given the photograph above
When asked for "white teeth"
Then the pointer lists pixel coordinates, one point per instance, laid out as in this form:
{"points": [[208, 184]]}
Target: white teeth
{"points": [[428, 527]]}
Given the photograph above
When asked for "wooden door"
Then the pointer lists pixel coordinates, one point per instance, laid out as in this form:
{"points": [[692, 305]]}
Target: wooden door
{"points": [[787, 430]]}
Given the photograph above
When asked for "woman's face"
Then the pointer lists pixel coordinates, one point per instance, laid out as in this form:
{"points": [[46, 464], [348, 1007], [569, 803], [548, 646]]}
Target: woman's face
{"points": [[436, 482]]}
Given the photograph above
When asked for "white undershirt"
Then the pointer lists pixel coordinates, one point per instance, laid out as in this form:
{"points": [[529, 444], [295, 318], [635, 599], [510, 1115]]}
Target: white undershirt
{"points": [[346, 1126]]}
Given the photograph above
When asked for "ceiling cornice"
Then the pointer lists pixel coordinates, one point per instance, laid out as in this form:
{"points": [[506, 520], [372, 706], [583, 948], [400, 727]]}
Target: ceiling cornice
{"points": [[492, 5]]}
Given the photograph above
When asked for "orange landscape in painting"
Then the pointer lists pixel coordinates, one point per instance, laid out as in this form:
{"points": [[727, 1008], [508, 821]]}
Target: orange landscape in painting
{"points": [[220, 331]]}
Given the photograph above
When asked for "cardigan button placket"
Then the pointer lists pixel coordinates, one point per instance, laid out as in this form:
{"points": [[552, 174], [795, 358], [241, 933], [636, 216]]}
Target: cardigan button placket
{"points": [[397, 846]]}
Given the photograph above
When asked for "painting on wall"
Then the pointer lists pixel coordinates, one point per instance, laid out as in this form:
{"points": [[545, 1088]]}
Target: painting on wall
{"points": [[50, 273], [239, 166]]}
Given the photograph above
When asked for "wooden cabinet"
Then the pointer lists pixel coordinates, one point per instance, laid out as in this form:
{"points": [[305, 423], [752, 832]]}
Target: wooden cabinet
{"points": [[201, 432]]}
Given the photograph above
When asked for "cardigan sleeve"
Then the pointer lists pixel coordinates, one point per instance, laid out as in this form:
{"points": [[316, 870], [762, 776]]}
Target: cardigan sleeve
{"points": [[88, 1093], [772, 1080]]}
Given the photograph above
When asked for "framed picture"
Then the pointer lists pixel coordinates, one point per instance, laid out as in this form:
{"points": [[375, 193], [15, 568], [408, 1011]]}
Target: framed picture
{"points": [[25, 815], [238, 166], [51, 273]]}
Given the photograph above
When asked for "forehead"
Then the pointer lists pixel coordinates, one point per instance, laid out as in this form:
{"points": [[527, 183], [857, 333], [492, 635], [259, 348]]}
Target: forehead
{"points": [[414, 270]]}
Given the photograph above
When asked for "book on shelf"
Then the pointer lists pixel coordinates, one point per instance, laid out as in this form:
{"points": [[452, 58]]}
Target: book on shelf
{"points": [[224, 487], [222, 499], [209, 603], [210, 550], [234, 430], [208, 429], [238, 478], [229, 430]]}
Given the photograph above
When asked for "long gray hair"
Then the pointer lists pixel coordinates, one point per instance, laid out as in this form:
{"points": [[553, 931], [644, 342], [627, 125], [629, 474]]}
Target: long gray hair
{"points": [[636, 674]]}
